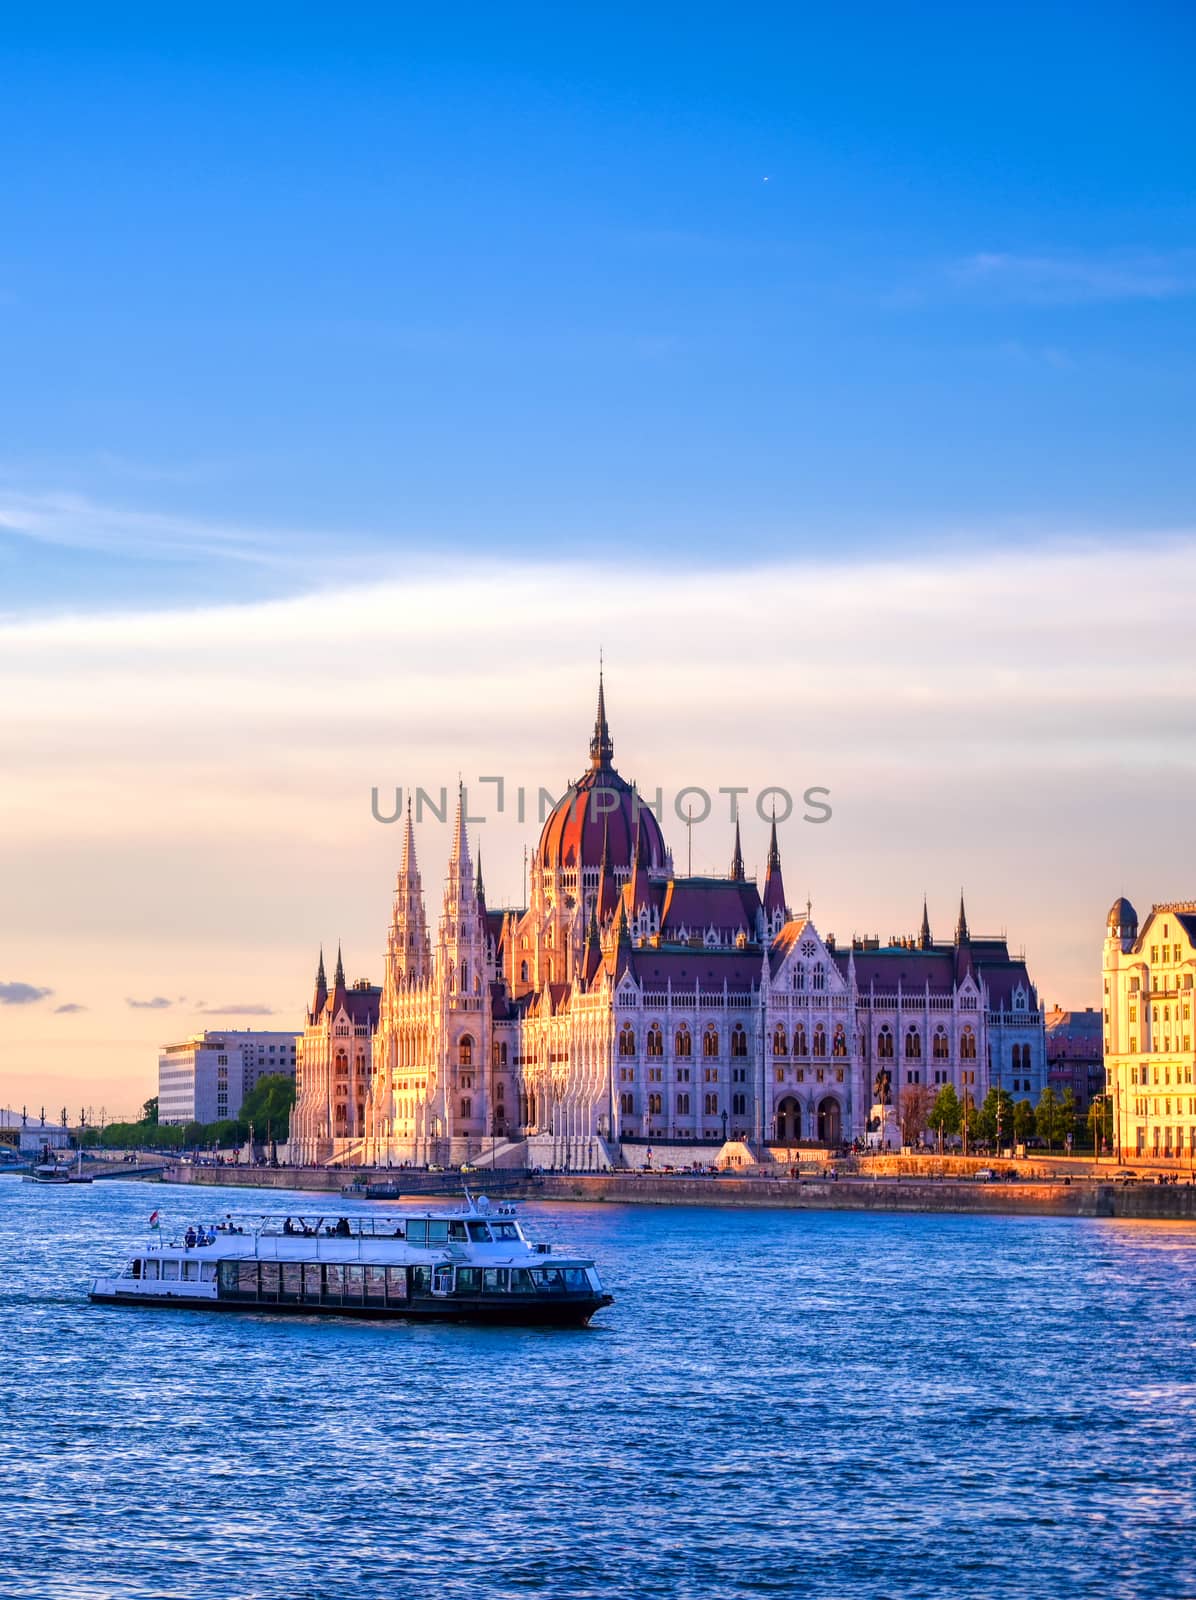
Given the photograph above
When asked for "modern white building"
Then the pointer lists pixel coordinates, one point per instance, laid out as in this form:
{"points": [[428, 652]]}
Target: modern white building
{"points": [[1149, 1061], [206, 1077]]}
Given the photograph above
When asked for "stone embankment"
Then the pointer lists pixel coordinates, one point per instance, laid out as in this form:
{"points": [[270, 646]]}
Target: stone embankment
{"points": [[1046, 1196]]}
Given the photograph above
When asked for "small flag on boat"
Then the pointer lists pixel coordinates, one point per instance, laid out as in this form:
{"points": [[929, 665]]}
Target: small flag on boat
{"points": [[153, 1221]]}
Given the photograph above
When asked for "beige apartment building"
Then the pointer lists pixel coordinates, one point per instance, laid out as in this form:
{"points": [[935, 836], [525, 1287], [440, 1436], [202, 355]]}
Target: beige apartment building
{"points": [[1148, 1032]]}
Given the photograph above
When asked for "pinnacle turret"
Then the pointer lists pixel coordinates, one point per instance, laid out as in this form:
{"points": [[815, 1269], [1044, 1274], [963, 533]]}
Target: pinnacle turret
{"points": [[961, 927], [737, 872], [773, 900], [602, 748], [924, 939]]}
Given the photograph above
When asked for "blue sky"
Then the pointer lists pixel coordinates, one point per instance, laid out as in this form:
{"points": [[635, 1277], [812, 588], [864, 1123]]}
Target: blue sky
{"points": [[285, 289]]}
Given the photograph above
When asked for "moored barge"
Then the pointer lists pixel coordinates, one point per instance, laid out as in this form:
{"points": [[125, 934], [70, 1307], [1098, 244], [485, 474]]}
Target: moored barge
{"points": [[470, 1265]]}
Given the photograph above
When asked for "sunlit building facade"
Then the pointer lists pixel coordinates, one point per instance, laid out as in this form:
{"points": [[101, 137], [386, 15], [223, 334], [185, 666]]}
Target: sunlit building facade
{"points": [[628, 1004], [1148, 1033]]}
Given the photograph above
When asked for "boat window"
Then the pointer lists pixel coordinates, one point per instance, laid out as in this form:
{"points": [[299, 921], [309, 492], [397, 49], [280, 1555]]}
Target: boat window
{"points": [[170, 1270], [417, 1232], [208, 1272], [521, 1281], [191, 1271], [551, 1280], [334, 1279], [355, 1282], [292, 1278], [438, 1231], [150, 1269], [421, 1280], [312, 1282], [375, 1283], [469, 1280], [247, 1277], [504, 1230], [456, 1231], [479, 1233], [575, 1280], [396, 1283], [494, 1280], [271, 1277]]}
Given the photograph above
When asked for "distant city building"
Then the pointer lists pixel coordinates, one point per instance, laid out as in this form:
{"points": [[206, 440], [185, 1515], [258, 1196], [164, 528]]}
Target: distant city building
{"points": [[1148, 1033], [25, 1134], [206, 1077], [1075, 1055], [629, 1003]]}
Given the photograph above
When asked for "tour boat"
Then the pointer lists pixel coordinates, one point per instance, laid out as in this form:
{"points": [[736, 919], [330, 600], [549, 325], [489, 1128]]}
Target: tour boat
{"points": [[52, 1171], [470, 1265]]}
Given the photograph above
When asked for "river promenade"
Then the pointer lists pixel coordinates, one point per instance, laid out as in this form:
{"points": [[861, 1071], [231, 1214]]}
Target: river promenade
{"points": [[1045, 1194]]}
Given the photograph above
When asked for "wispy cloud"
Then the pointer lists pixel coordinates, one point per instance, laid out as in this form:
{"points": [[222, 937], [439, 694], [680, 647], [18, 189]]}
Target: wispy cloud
{"points": [[77, 521], [69, 1009], [1063, 279], [158, 1003], [237, 1011], [22, 994]]}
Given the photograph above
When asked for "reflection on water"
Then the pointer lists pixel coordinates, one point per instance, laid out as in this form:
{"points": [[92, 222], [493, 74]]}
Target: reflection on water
{"points": [[818, 1403]]}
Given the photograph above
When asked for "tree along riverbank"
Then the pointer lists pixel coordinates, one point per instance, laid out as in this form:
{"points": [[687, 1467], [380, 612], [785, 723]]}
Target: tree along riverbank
{"points": [[1078, 1198]]}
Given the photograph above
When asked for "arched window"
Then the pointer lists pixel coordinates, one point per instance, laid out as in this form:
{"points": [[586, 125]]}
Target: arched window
{"points": [[627, 1040], [655, 1040], [800, 1045], [884, 1044], [967, 1046], [683, 1105], [466, 1106], [653, 1105], [627, 1104], [942, 1048], [1017, 1058], [819, 976], [682, 1043], [465, 977], [780, 1044], [839, 1048], [465, 1051], [799, 979], [913, 1045], [820, 1040], [739, 1041], [712, 1105], [523, 972], [710, 1042]]}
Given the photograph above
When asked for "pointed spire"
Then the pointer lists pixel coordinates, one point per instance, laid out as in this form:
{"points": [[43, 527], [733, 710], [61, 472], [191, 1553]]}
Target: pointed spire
{"points": [[608, 896], [602, 749], [408, 863], [459, 858], [478, 887], [774, 888], [639, 870], [961, 927], [339, 978], [320, 998], [924, 939], [737, 873]]}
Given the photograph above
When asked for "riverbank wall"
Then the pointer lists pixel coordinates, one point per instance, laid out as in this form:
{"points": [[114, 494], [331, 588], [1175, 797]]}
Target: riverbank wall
{"points": [[1078, 1198]]}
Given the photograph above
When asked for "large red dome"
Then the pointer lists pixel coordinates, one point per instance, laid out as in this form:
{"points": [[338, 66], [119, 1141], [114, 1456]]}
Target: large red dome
{"points": [[600, 806]]}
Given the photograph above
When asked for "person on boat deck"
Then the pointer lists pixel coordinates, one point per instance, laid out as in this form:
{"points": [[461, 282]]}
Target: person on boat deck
{"points": [[189, 1238], [288, 1227], [343, 1230]]}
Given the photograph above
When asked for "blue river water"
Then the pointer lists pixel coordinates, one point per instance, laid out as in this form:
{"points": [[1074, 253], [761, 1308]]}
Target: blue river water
{"points": [[818, 1404]]}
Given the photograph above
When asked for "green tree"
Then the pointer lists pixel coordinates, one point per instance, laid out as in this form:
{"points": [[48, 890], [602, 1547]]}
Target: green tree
{"points": [[268, 1106], [1023, 1121], [944, 1113], [1047, 1118], [149, 1111], [995, 1116], [967, 1120], [1100, 1122], [1067, 1116]]}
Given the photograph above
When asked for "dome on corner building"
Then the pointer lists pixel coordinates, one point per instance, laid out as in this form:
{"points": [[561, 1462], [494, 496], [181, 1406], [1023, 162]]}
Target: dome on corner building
{"points": [[600, 806], [1123, 919]]}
